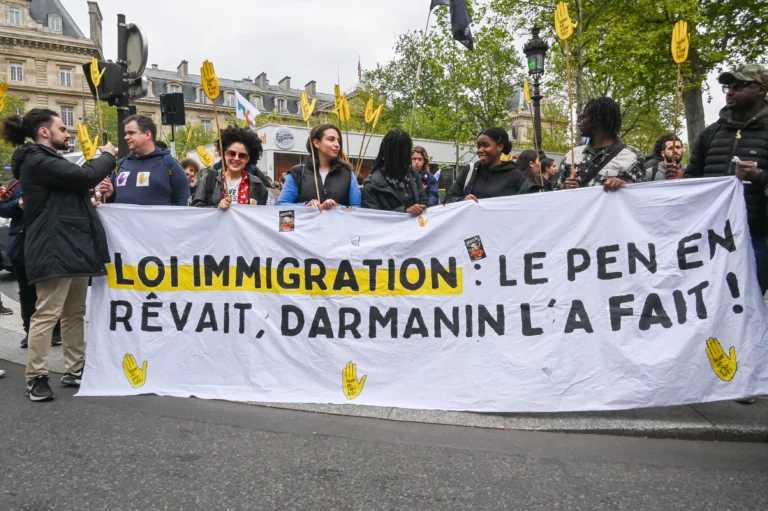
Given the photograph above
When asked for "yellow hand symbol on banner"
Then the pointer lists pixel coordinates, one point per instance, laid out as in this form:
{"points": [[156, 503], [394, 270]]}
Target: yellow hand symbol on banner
{"points": [[210, 80], [206, 158], [680, 43], [137, 377], [306, 107], [95, 74], [527, 92], [344, 113], [88, 146], [723, 365], [563, 24], [352, 387]]}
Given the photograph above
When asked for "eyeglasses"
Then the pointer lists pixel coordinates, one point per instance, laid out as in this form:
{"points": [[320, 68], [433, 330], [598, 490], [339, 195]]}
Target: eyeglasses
{"points": [[234, 154], [737, 86]]}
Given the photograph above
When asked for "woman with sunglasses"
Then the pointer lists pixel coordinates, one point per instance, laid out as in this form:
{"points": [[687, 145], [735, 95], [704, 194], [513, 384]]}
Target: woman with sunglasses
{"points": [[233, 184], [337, 185]]}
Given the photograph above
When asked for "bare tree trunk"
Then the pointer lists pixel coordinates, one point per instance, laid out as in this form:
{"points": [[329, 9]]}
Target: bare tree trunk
{"points": [[694, 111]]}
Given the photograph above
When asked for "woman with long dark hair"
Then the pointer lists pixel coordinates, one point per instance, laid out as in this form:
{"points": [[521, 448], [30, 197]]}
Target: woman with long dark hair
{"points": [[393, 184], [490, 177], [242, 148], [336, 186]]}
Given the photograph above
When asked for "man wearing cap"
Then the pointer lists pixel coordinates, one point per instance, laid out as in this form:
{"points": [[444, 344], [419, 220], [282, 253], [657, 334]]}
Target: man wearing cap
{"points": [[737, 144]]}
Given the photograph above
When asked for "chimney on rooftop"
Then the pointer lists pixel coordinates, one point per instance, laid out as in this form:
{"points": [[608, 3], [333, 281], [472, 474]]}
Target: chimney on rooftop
{"points": [[285, 83], [311, 89], [183, 69], [261, 81]]}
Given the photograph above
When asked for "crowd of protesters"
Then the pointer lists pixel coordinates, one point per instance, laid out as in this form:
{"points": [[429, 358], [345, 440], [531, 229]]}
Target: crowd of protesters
{"points": [[57, 196]]}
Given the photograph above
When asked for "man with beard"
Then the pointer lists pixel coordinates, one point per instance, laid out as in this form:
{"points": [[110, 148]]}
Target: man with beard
{"points": [[65, 241], [605, 161], [668, 167]]}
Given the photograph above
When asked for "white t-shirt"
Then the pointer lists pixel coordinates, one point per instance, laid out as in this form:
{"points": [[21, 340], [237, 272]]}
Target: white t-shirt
{"points": [[323, 175], [233, 187]]}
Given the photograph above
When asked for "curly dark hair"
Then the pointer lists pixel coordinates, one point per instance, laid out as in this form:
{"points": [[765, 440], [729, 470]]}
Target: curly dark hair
{"points": [[245, 136]]}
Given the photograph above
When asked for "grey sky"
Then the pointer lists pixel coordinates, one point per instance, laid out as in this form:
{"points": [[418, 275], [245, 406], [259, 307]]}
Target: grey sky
{"points": [[303, 39]]}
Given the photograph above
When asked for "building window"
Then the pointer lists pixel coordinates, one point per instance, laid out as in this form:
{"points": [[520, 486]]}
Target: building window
{"points": [[54, 23], [230, 97], [65, 77], [174, 88], [282, 106], [206, 125], [68, 115], [14, 16], [203, 98], [256, 101], [17, 73]]}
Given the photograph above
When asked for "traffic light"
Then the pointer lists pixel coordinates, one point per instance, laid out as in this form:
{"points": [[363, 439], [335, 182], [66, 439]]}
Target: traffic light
{"points": [[138, 87], [111, 86]]}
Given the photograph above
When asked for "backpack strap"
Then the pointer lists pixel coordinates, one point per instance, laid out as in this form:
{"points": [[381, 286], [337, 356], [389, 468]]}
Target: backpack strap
{"points": [[612, 153]]}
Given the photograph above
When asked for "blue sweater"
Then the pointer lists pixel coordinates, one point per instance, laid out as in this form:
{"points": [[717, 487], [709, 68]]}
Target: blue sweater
{"points": [[290, 192], [155, 179]]}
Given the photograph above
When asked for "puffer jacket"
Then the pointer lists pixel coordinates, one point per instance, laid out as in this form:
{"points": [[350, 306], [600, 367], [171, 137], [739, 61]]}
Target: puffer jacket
{"points": [[64, 236], [500, 181], [208, 192], [379, 194], [713, 153]]}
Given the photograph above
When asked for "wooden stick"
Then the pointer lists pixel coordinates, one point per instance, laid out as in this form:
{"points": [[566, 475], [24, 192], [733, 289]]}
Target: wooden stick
{"points": [[224, 190], [314, 169], [362, 156], [677, 100], [570, 108], [418, 74], [359, 165]]}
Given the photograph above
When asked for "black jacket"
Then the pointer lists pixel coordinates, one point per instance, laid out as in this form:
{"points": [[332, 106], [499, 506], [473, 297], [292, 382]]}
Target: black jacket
{"points": [[208, 192], [378, 194], [336, 185], [14, 249], [713, 154], [501, 181], [64, 236]]}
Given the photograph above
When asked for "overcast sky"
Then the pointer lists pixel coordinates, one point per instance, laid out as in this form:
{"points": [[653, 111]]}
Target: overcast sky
{"points": [[303, 39]]}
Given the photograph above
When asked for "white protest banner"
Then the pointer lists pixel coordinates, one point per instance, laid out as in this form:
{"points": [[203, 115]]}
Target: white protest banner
{"points": [[565, 301]]}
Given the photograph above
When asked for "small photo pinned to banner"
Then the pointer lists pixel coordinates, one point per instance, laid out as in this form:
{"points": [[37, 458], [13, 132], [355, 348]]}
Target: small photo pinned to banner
{"points": [[475, 248], [287, 219]]}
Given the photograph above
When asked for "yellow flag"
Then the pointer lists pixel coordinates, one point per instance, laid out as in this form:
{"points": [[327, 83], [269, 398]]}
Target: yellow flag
{"points": [[95, 74], [338, 101], [377, 115], [3, 101], [189, 134], [3, 89], [344, 113], [369, 111], [563, 24], [680, 43], [88, 146], [210, 80], [306, 107], [526, 92], [206, 158]]}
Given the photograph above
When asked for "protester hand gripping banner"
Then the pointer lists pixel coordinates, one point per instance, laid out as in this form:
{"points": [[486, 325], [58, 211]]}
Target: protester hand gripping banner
{"points": [[481, 309]]}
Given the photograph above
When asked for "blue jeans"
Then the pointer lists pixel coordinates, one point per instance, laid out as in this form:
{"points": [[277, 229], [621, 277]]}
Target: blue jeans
{"points": [[760, 244]]}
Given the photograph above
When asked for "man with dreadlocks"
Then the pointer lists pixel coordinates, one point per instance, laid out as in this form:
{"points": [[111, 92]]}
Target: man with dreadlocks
{"points": [[605, 161]]}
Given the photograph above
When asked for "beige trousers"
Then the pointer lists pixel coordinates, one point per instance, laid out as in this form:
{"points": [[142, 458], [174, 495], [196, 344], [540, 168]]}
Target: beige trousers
{"points": [[58, 298]]}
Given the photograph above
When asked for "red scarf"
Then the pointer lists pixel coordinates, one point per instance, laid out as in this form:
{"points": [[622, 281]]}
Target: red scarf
{"points": [[243, 191]]}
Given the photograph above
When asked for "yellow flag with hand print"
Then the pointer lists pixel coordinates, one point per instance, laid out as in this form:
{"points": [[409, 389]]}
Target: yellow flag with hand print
{"points": [[680, 42], [86, 144], [210, 80], [307, 107], [206, 158], [563, 24], [527, 92]]}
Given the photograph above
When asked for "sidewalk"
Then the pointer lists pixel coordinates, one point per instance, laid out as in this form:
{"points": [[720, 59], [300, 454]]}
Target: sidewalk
{"points": [[723, 421]]}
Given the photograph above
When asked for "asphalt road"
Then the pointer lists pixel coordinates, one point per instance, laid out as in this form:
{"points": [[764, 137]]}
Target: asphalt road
{"points": [[167, 453]]}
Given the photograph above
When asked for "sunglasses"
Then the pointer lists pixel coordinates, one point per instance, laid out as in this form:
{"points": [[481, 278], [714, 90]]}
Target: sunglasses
{"points": [[234, 154], [737, 86]]}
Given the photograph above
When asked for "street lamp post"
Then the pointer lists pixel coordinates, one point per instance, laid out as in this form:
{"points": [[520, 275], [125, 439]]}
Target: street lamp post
{"points": [[536, 51]]}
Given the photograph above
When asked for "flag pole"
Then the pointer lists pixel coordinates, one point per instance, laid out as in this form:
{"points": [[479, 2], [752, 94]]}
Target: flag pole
{"points": [[418, 73]]}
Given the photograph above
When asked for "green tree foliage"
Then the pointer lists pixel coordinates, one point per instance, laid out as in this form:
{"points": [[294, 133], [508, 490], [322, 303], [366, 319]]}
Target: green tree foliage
{"points": [[198, 137], [109, 116], [460, 92]]}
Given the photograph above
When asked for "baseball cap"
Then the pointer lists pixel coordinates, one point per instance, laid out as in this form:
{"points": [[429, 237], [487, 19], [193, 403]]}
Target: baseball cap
{"points": [[748, 73]]}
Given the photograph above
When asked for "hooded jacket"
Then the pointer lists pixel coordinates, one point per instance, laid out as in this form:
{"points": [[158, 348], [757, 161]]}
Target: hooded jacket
{"points": [[500, 181], [379, 194], [430, 188], [713, 154], [155, 179], [208, 192], [64, 236]]}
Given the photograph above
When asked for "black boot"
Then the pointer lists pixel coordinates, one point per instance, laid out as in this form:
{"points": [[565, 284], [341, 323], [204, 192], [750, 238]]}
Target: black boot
{"points": [[25, 342]]}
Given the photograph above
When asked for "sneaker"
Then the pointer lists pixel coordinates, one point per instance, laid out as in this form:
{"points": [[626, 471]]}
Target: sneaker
{"points": [[25, 342], [56, 339], [38, 389], [72, 379], [5, 311], [2, 373], [746, 401]]}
